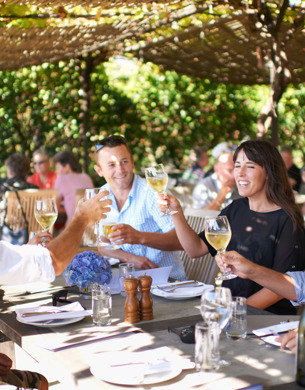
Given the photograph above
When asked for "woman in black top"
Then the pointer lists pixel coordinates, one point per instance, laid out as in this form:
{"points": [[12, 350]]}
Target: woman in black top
{"points": [[267, 227]]}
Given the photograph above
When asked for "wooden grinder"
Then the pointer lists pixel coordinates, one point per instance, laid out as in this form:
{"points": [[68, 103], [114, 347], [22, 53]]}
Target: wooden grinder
{"points": [[145, 301], [131, 306]]}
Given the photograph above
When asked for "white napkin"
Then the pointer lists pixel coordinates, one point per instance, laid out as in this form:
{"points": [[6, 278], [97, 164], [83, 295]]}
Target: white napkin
{"points": [[72, 310], [134, 366], [275, 329]]}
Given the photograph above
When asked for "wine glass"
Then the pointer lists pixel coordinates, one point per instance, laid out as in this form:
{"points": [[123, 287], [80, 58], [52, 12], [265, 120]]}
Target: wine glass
{"points": [[46, 214], [106, 227], [157, 179], [90, 193], [216, 305], [218, 234]]}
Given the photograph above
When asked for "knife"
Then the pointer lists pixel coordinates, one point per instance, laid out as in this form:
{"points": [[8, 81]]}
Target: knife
{"points": [[178, 284], [38, 313]]}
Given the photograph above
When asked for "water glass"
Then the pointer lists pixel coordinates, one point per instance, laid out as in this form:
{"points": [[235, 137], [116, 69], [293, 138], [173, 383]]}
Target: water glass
{"points": [[237, 325], [101, 305], [207, 346], [126, 270]]}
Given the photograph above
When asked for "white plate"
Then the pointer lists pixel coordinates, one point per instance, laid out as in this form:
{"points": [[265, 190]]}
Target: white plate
{"points": [[119, 375], [53, 323], [182, 293]]}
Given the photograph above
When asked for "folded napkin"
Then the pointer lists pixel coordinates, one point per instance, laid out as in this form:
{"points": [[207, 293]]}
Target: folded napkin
{"points": [[182, 290], [276, 329], [72, 310], [134, 367]]}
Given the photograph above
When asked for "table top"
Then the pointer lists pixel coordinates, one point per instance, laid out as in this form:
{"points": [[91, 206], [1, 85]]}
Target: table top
{"points": [[55, 347]]}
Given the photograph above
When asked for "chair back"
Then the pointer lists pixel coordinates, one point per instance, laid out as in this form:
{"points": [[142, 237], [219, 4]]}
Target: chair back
{"points": [[204, 269], [14, 218]]}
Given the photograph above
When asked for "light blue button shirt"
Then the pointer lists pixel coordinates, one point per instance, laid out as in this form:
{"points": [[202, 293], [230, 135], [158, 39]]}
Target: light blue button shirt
{"points": [[142, 213], [299, 286]]}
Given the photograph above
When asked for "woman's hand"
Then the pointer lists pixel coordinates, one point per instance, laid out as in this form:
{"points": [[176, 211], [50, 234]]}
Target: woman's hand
{"points": [[235, 263], [167, 200]]}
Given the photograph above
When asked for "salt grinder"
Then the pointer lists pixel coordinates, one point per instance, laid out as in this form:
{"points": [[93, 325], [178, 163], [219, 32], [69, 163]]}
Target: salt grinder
{"points": [[145, 301], [131, 306]]}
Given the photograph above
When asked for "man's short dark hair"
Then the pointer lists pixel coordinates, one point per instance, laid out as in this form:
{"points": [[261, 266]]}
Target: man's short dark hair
{"points": [[66, 157]]}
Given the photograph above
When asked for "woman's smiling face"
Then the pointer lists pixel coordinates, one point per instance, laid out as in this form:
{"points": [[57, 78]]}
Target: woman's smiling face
{"points": [[250, 177]]}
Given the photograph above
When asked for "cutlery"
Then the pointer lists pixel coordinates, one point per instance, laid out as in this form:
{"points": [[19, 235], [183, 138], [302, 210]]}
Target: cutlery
{"points": [[38, 313], [269, 334], [171, 285], [169, 290]]}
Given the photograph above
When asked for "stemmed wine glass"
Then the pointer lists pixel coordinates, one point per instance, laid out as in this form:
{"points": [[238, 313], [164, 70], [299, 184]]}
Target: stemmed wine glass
{"points": [[157, 179], [46, 214], [90, 193], [218, 233], [216, 305]]}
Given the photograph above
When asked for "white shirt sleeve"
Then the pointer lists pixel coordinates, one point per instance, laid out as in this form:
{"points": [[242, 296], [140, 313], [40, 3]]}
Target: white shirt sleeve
{"points": [[25, 264], [298, 278]]}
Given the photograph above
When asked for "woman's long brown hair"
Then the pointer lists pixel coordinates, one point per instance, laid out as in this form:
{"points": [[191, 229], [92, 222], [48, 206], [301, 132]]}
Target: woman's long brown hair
{"points": [[278, 188]]}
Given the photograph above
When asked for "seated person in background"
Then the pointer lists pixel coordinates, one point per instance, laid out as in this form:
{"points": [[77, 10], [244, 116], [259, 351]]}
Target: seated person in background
{"points": [[266, 223], [17, 168], [44, 178], [294, 174], [69, 180], [146, 238], [217, 190], [290, 285], [194, 173]]}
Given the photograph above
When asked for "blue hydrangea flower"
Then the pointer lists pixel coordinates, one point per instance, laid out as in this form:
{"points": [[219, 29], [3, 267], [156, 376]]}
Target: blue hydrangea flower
{"points": [[87, 268]]}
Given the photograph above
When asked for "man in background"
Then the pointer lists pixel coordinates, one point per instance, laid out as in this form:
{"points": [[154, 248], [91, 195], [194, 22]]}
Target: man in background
{"points": [[218, 190], [293, 171], [196, 172]]}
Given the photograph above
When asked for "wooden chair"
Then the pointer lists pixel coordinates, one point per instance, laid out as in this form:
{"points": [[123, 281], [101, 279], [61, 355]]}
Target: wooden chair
{"points": [[14, 218], [204, 269]]}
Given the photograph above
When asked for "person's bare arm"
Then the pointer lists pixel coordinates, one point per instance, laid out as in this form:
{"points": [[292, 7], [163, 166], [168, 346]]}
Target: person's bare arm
{"points": [[64, 247], [126, 257], [164, 241], [189, 239], [263, 299], [281, 284]]}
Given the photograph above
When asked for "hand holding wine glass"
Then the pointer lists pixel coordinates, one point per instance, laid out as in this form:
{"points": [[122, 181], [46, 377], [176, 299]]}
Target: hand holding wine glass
{"points": [[218, 234], [46, 214], [157, 179], [90, 193]]}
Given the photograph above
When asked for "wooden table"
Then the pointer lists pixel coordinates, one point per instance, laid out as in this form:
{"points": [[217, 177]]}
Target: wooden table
{"points": [[71, 364]]}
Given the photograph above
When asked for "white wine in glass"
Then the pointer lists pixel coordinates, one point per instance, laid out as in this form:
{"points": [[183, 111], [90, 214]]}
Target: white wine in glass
{"points": [[46, 213], [218, 234], [157, 179]]}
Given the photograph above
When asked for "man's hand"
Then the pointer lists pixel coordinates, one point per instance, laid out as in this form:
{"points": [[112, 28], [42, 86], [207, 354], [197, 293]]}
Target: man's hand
{"points": [[5, 364], [289, 340], [89, 211], [42, 238], [125, 234], [141, 262]]}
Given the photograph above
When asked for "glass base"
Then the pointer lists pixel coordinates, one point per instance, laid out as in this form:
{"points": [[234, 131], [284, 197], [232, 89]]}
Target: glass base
{"points": [[226, 277], [167, 213], [112, 246]]}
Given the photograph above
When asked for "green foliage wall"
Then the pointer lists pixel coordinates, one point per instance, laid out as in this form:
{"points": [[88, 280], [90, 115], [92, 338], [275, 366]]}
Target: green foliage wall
{"points": [[162, 115]]}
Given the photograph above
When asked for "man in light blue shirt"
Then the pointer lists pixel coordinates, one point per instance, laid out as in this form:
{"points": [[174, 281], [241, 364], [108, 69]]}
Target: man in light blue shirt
{"points": [[146, 238]]}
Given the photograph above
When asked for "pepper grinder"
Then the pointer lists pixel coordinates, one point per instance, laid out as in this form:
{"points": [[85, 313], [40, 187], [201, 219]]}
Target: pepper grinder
{"points": [[145, 301], [132, 313]]}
